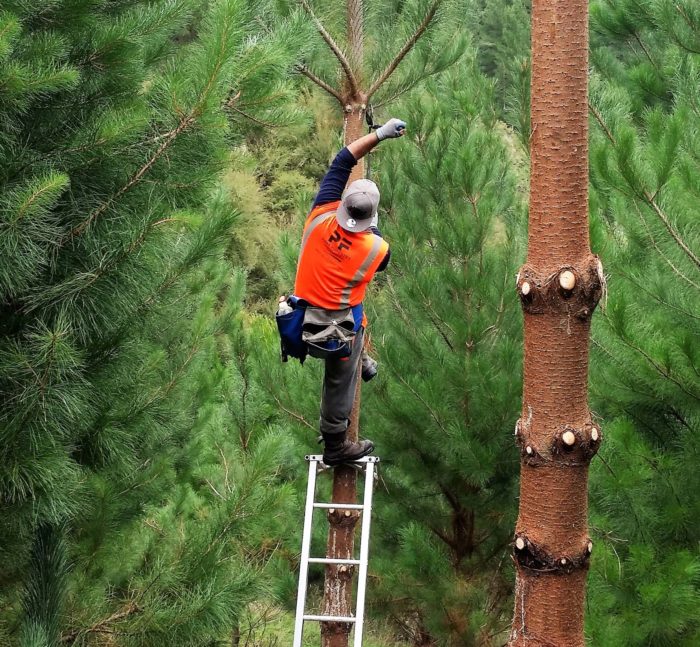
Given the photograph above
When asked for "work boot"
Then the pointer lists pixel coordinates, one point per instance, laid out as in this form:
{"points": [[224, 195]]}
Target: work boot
{"points": [[369, 367], [338, 449]]}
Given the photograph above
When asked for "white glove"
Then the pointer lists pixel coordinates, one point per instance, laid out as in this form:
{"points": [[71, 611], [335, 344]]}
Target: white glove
{"points": [[392, 128]]}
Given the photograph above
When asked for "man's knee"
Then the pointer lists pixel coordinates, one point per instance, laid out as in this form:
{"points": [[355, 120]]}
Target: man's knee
{"points": [[333, 425]]}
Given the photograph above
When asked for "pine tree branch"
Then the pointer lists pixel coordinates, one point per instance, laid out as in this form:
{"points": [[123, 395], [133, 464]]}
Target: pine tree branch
{"points": [[443, 537], [651, 200], [79, 229], [430, 312], [342, 59], [668, 261], [103, 625], [404, 88], [433, 316], [302, 69], [645, 50], [355, 31], [227, 485], [648, 197], [294, 415], [623, 364], [26, 205], [103, 269], [407, 47], [691, 25], [422, 400], [185, 122], [659, 369], [601, 123], [260, 122], [237, 514], [630, 502], [265, 100], [671, 306], [162, 392], [681, 10]]}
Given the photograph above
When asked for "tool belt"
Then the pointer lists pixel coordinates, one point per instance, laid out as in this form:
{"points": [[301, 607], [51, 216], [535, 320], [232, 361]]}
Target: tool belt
{"points": [[318, 332], [328, 333]]}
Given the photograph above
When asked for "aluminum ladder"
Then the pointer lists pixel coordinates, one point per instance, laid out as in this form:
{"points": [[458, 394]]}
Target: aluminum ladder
{"points": [[316, 464]]}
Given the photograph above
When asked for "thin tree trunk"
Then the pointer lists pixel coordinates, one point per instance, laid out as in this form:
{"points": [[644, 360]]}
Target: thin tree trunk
{"points": [[337, 592], [559, 287], [355, 29], [353, 100]]}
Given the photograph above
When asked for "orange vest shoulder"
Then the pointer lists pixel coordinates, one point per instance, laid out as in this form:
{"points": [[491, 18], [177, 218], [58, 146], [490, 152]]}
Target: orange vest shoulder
{"points": [[335, 266]]}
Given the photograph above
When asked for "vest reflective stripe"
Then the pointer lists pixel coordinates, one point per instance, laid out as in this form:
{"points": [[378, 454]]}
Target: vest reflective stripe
{"points": [[361, 271], [314, 222], [335, 265]]}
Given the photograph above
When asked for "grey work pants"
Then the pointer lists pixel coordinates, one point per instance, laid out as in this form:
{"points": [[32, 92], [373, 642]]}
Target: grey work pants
{"points": [[338, 393]]}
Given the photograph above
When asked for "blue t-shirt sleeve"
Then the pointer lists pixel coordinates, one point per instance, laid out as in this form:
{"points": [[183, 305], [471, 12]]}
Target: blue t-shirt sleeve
{"points": [[385, 260], [333, 183]]}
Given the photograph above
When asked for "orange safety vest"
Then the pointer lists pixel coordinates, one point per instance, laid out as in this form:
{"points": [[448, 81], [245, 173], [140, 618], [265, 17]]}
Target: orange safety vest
{"points": [[335, 265]]}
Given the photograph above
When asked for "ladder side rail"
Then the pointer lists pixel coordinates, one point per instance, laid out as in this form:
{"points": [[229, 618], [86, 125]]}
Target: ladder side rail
{"points": [[305, 549], [364, 554]]}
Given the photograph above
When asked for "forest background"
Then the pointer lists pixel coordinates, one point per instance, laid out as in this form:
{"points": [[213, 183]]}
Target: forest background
{"points": [[157, 160]]}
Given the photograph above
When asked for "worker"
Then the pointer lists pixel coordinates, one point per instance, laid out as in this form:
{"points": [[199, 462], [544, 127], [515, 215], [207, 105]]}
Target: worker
{"points": [[341, 250]]}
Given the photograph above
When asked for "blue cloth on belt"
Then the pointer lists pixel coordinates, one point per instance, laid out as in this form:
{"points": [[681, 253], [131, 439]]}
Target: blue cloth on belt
{"points": [[290, 328]]}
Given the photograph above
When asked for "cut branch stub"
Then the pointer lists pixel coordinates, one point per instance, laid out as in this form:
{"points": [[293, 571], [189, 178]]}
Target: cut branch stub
{"points": [[345, 572], [569, 290], [571, 446], [576, 446], [529, 453], [567, 280], [537, 558], [345, 518]]}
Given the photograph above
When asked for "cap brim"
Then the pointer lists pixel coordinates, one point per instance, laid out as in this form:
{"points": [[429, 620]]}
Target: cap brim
{"points": [[350, 224]]}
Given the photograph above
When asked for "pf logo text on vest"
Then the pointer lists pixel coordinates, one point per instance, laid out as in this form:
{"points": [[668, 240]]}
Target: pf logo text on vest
{"points": [[344, 243]]}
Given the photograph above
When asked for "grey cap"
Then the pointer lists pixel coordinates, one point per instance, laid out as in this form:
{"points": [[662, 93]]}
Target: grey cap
{"points": [[359, 206]]}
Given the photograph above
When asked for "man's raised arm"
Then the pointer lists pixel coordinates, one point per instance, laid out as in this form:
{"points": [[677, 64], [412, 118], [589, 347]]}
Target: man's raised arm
{"points": [[333, 183]]}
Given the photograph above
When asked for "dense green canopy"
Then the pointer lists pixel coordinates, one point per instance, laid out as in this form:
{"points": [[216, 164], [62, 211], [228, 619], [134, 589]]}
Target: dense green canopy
{"points": [[157, 160]]}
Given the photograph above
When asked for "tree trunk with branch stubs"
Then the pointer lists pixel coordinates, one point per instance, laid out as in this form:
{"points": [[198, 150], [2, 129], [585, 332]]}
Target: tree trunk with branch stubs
{"points": [[337, 592], [559, 287], [353, 99]]}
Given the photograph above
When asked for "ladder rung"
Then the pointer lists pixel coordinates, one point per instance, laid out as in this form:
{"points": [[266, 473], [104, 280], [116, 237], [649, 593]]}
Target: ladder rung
{"points": [[340, 506], [330, 618], [331, 560], [318, 458]]}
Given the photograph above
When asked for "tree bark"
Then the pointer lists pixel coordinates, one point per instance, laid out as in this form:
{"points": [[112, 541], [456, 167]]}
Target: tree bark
{"points": [[559, 287], [337, 591], [356, 41], [337, 596]]}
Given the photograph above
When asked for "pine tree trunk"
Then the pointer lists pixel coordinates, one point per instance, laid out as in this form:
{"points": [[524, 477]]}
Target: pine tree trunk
{"points": [[337, 598], [559, 287], [337, 593], [355, 29]]}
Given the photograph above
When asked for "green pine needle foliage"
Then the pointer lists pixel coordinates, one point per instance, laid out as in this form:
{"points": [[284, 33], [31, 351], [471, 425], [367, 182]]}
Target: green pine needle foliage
{"points": [[43, 602], [120, 352], [448, 341], [644, 161]]}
